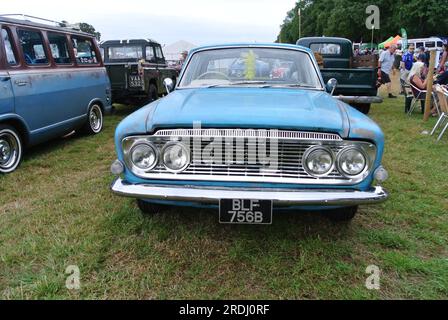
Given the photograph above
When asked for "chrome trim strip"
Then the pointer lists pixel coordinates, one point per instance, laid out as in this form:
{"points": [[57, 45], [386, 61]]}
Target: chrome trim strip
{"points": [[360, 99], [249, 133], [280, 197]]}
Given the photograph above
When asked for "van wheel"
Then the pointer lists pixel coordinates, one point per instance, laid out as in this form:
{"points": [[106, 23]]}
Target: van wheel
{"points": [[95, 119], [150, 209], [362, 107], [11, 149], [152, 93], [341, 214]]}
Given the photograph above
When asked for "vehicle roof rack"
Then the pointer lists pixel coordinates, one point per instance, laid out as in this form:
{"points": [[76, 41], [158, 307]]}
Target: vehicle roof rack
{"points": [[27, 17]]}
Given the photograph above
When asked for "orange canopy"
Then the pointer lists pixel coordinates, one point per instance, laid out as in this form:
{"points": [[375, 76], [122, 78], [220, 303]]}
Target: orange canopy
{"points": [[393, 41]]}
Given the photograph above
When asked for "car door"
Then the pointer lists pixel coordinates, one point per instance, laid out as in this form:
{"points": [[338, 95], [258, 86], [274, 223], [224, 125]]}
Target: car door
{"points": [[7, 56]]}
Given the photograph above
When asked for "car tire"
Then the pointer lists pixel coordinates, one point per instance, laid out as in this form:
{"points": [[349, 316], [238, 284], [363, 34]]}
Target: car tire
{"points": [[95, 120], [11, 149], [362, 107], [153, 95], [150, 209], [341, 214]]}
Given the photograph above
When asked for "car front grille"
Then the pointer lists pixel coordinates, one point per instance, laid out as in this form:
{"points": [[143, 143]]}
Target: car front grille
{"points": [[287, 168]]}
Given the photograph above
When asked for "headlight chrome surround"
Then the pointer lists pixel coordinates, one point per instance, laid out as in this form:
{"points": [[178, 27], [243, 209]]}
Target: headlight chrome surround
{"points": [[309, 152], [185, 150], [361, 152], [150, 146]]}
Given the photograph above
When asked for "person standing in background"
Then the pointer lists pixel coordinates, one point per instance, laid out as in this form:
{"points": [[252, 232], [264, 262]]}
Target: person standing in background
{"points": [[406, 63], [443, 60], [385, 65]]}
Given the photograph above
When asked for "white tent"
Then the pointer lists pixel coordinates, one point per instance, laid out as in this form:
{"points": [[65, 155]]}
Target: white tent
{"points": [[172, 52]]}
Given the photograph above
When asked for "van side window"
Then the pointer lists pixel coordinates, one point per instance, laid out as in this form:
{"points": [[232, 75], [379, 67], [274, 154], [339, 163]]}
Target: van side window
{"points": [[84, 50], [33, 47], [10, 54], [150, 54], [59, 48]]}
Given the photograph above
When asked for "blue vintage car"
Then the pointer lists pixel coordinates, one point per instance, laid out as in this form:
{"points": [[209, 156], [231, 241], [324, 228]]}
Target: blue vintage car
{"points": [[248, 146]]}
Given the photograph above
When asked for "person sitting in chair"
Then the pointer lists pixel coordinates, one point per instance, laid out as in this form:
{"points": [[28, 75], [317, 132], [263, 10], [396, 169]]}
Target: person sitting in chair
{"points": [[415, 78]]}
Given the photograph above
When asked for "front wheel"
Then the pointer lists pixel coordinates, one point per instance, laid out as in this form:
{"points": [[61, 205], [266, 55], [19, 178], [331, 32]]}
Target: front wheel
{"points": [[362, 107], [11, 149], [341, 214], [153, 95], [95, 120], [150, 209]]}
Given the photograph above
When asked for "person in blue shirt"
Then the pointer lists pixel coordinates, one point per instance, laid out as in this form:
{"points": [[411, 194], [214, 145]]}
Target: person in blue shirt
{"points": [[407, 62]]}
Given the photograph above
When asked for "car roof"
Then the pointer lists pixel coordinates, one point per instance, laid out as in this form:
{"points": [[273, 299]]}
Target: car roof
{"points": [[123, 42], [42, 26], [324, 39], [252, 45]]}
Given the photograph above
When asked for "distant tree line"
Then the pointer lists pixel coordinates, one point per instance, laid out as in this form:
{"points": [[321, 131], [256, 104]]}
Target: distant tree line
{"points": [[346, 18]]}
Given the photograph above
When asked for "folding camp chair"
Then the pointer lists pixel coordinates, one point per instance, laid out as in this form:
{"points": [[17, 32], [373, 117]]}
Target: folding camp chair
{"points": [[420, 95], [443, 101]]}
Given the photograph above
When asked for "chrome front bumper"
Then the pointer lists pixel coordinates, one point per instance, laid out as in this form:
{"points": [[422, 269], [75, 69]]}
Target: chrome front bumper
{"points": [[281, 197]]}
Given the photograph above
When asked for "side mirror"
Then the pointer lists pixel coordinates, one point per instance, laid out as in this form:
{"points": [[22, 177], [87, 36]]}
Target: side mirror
{"points": [[169, 84], [331, 85]]}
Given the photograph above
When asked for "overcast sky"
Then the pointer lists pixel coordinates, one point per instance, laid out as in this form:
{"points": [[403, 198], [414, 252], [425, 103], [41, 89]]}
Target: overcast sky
{"points": [[197, 21]]}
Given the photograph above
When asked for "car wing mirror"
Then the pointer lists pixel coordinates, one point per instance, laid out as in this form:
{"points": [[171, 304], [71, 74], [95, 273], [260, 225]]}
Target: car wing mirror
{"points": [[169, 84], [332, 85]]}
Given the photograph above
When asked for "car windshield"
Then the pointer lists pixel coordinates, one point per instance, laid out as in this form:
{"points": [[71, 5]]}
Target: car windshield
{"points": [[125, 53], [250, 67]]}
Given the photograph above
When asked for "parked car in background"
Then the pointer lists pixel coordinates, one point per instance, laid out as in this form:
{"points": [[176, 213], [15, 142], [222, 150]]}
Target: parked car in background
{"points": [[52, 81], [247, 143], [356, 77], [136, 70]]}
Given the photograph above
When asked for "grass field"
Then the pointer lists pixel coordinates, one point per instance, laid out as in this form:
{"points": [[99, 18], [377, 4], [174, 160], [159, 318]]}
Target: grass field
{"points": [[57, 210]]}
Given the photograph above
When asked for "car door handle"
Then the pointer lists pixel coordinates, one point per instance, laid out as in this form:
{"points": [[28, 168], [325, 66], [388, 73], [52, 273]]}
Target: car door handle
{"points": [[21, 83], [4, 79]]}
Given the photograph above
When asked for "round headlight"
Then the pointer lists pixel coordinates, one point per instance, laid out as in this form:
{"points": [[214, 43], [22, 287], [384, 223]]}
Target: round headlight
{"points": [[176, 157], [318, 161], [144, 156], [351, 161]]}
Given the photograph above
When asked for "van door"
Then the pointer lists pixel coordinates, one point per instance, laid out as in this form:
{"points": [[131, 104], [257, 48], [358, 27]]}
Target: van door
{"points": [[7, 56], [6, 94]]}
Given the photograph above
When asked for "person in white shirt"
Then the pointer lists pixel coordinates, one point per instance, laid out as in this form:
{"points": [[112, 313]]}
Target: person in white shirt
{"points": [[385, 65]]}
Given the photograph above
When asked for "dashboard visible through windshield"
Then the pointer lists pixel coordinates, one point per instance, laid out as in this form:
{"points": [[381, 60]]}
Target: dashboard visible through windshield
{"points": [[250, 66]]}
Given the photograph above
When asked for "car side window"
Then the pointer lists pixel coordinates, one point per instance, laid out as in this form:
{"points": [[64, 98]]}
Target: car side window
{"points": [[59, 48], [33, 47], [10, 54], [150, 54], [84, 50]]}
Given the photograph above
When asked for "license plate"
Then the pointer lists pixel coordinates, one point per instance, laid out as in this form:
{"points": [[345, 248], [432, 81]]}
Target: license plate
{"points": [[135, 81], [239, 211]]}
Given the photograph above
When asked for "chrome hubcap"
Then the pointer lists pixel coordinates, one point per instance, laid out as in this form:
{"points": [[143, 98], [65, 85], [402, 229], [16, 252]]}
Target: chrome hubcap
{"points": [[95, 119], [9, 150], [5, 151]]}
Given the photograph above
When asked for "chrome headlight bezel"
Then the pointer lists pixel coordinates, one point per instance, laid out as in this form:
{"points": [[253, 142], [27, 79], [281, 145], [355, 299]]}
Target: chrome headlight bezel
{"points": [[309, 151], [367, 162], [186, 151], [150, 146], [129, 144]]}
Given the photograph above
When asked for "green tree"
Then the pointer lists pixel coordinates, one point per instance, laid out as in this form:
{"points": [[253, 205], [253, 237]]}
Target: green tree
{"points": [[346, 18], [88, 28]]}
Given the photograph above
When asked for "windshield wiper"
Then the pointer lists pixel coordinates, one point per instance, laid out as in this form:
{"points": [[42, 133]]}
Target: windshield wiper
{"points": [[264, 83], [247, 82], [300, 85]]}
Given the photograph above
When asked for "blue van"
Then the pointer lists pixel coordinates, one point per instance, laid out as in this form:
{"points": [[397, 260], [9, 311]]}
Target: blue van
{"points": [[52, 81]]}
